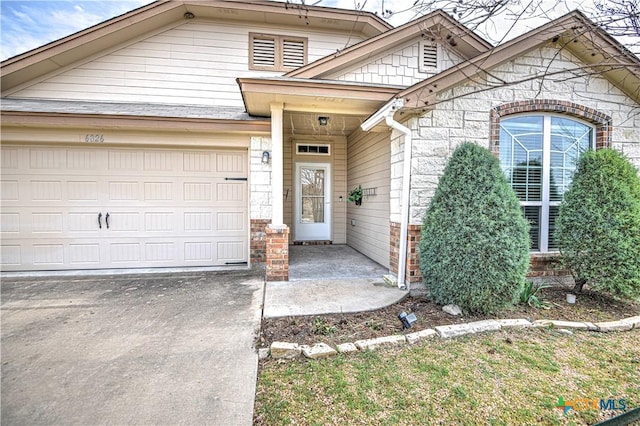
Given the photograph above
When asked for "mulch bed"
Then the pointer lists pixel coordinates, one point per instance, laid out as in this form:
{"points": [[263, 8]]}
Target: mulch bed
{"points": [[340, 328]]}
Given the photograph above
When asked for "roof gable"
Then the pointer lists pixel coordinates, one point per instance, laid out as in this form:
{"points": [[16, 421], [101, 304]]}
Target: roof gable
{"points": [[437, 26], [407, 65], [164, 13], [574, 32]]}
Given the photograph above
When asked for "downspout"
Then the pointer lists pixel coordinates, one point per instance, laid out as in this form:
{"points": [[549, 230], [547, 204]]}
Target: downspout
{"points": [[404, 204], [386, 113]]}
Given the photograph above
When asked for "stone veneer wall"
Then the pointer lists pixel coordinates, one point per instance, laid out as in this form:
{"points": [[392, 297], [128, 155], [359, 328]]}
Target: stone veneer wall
{"points": [[464, 113], [471, 112], [259, 198], [260, 179]]}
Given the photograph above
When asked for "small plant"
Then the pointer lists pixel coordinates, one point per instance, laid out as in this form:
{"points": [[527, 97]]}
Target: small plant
{"points": [[320, 326], [355, 196], [531, 295], [374, 325]]}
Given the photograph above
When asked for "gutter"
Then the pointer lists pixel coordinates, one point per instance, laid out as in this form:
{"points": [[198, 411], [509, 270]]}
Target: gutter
{"points": [[386, 113]]}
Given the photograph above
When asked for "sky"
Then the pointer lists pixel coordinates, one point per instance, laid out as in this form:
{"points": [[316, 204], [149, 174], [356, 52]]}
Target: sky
{"points": [[25, 25]]}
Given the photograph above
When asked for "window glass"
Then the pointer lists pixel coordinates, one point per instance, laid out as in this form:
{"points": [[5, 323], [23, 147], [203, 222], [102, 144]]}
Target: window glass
{"points": [[522, 156], [569, 139], [538, 154], [532, 214]]}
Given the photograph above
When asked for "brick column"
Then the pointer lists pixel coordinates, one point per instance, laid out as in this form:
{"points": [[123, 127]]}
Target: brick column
{"points": [[412, 274], [277, 252]]}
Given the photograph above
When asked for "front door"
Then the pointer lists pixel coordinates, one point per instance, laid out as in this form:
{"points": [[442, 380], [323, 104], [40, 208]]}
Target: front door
{"points": [[313, 202]]}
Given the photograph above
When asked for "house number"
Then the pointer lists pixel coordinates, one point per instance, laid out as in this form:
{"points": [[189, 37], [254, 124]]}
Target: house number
{"points": [[94, 138]]}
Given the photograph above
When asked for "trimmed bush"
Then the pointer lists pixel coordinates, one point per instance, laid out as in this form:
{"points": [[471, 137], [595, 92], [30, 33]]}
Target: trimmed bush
{"points": [[474, 247], [598, 227]]}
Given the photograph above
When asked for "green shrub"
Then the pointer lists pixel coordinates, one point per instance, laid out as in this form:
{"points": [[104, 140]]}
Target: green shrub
{"points": [[598, 227], [474, 247]]}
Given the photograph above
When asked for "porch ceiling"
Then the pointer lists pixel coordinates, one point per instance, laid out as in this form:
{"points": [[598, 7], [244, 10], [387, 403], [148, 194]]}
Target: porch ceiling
{"points": [[320, 97], [307, 124]]}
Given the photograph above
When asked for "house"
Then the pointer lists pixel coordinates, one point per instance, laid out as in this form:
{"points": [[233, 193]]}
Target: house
{"points": [[212, 133]]}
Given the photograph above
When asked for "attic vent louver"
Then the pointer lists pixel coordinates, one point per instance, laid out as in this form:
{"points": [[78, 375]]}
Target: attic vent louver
{"points": [[428, 57], [293, 53], [276, 52], [264, 52]]}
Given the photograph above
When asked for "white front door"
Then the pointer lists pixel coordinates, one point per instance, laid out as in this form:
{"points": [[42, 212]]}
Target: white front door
{"points": [[313, 202]]}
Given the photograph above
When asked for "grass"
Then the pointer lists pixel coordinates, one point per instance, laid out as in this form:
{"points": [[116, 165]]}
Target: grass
{"points": [[503, 378]]}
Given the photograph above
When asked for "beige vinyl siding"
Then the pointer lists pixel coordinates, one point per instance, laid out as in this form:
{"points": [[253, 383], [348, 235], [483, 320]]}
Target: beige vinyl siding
{"points": [[288, 187], [338, 161], [339, 148], [369, 166], [195, 63]]}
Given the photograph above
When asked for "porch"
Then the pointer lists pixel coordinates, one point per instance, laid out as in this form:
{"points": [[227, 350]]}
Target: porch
{"points": [[331, 262], [317, 153], [327, 279]]}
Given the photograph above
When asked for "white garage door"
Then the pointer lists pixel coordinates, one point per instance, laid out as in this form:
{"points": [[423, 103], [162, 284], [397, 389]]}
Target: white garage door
{"points": [[75, 208]]}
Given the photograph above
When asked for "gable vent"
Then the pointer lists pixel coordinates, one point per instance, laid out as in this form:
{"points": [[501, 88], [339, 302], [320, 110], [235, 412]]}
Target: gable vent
{"points": [[293, 53], [428, 57], [264, 52]]}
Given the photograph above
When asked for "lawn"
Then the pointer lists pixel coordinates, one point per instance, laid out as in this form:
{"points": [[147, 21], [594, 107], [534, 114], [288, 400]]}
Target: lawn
{"points": [[508, 377]]}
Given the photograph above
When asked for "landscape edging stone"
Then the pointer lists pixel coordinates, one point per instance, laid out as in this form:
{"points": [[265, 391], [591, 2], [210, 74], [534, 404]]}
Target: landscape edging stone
{"points": [[293, 350]]}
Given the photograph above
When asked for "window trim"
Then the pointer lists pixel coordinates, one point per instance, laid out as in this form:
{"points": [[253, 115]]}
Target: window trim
{"points": [[319, 145], [279, 41]]}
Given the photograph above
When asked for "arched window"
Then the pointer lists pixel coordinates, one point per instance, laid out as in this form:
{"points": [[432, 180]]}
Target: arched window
{"points": [[538, 154]]}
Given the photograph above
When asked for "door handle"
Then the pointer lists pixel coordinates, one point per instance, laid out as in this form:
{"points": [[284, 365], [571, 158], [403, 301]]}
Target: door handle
{"points": [[100, 220], [106, 220]]}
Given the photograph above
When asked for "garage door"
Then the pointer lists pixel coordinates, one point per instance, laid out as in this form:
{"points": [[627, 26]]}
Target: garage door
{"points": [[75, 208]]}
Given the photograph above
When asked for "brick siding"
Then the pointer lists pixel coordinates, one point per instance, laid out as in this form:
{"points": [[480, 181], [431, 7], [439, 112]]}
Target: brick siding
{"points": [[258, 245], [412, 273]]}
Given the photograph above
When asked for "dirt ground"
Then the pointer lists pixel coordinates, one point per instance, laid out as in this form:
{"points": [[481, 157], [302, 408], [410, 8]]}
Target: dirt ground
{"points": [[340, 328]]}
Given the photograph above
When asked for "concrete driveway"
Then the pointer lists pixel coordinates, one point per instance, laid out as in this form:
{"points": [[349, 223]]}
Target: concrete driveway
{"points": [[153, 349]]}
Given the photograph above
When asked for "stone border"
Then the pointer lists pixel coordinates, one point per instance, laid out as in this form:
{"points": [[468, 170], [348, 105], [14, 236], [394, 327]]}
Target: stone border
{"points": [[285, 350]]}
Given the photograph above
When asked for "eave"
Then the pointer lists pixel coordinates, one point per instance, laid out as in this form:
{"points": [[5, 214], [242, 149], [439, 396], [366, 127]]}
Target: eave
{"points": [[461, 39], [57, 120], [123, 29], [313, 96], [573, 31]]}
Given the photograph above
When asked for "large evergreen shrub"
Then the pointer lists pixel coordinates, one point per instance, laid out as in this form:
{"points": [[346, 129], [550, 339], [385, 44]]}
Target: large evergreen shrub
{"points": [[474, 247], [598, 227]]}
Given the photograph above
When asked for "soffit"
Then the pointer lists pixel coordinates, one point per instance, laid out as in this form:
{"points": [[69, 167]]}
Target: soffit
{"points": [[307, 124], [317, 96]]}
